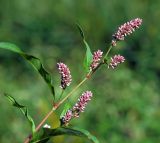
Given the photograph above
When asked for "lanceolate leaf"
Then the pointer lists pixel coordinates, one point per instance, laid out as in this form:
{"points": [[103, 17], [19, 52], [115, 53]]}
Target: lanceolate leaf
{"points": [[23, 109], [88, 56], [34, 61], [43, 136]]}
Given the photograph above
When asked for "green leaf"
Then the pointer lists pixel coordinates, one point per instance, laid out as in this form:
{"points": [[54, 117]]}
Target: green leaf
{"points": [[23, 109], [34, 61], [88, 56], [45, 134]]}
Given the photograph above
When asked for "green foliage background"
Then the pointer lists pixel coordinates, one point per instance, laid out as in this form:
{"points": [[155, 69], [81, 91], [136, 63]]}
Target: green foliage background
{"points": [[126, 102]]}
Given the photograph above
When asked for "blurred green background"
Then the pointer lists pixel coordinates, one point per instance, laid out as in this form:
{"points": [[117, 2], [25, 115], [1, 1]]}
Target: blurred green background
{"points": [[126, 102]]}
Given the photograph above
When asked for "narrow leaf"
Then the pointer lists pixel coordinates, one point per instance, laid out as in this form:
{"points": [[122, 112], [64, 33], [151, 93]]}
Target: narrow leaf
{"points": [[88, 55], [23, 109], [34, 61], [48, 133]]}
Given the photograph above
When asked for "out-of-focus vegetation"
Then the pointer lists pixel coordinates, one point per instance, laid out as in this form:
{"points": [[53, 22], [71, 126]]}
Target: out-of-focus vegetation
{"points": [[126, 102]]}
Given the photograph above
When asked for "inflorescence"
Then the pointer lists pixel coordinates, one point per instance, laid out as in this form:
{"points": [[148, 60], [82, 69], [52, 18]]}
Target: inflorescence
{"points": [[96, 59], [77, 108], [66, 77], [117, 59], [126, 29]]}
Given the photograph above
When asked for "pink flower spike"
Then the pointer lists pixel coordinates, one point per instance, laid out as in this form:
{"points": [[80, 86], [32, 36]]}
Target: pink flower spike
{"points": [[96, 59], [77, 108], [66, 77], [82, 102], [67, 117], [126, 29], [117, 59]]}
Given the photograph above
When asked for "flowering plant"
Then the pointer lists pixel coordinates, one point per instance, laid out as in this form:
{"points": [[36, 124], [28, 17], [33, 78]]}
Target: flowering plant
{"points": [[43, 132]]}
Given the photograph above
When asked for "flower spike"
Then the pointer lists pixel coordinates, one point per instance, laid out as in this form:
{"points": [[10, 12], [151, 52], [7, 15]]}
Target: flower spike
{"points": [[96, 58], [125, 30], [66, 77], [82, 102], [77, 108], [117, 59], [66, 118]]}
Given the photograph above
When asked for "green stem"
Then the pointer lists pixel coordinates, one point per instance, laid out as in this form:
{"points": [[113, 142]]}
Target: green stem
{"points": [[105, 57], [61, 94]]}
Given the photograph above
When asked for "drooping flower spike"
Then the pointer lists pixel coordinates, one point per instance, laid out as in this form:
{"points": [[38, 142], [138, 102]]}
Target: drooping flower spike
{"points": [[77, 108], [96, 59], [66, 77], [126, 29], [117, 59]]}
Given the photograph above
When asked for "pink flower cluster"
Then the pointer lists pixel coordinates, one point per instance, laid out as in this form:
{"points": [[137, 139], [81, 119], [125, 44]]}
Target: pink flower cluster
{"points": [[77, 108], [96, 58], [82, 102], [65, 75], [67, 117], [126, 29], [117, 59]]}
